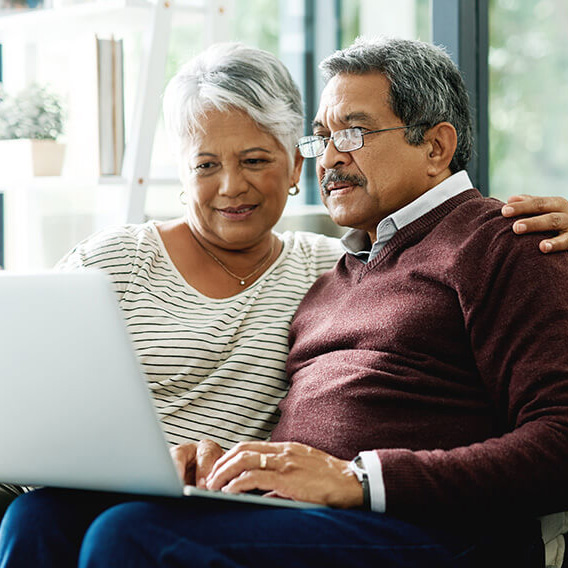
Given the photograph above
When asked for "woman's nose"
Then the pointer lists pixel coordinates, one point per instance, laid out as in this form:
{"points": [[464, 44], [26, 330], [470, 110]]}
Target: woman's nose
{"points": [[233, 183]]}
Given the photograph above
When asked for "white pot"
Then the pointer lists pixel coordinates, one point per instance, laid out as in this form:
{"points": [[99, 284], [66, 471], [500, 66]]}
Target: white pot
{"points": [[21, 159]]}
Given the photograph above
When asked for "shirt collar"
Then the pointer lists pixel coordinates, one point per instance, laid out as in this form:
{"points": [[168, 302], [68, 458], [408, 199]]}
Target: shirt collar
{"points": [[357, 242]]}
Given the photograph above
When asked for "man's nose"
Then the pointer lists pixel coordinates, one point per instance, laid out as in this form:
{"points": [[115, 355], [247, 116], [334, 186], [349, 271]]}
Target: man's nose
{"points": [[332, 157]]}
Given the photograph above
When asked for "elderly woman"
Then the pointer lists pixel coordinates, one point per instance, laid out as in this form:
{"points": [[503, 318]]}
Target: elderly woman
{"points": [[209, 298]]}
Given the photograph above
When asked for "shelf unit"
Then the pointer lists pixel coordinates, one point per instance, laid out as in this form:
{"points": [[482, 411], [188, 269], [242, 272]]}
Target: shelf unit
{"points": [[45, 217], [98, 16], [105, 17]]}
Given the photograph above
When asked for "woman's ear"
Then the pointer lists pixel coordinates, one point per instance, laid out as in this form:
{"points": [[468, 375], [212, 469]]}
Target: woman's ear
{"points": [[442, 140], [297, 168]]}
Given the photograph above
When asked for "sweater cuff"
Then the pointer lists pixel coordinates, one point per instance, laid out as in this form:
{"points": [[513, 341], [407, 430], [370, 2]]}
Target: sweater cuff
{"points": [[372, 464]]}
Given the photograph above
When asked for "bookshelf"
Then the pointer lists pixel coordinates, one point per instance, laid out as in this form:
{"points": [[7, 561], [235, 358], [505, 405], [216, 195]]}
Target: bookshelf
{"points": [[45, 217], [73, 20], [29, 30]]}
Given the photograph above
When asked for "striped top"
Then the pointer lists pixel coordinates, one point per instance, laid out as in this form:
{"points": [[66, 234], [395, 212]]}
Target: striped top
{"points": [[215, 367]]}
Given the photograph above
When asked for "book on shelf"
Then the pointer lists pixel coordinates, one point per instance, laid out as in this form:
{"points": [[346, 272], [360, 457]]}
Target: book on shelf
{"points": [[15, 6], [110, 80]]}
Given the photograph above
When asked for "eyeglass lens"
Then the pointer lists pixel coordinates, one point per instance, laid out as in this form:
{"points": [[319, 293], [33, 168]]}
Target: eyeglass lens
{"points": [[312, 146], [348, 140], [345, 141]]}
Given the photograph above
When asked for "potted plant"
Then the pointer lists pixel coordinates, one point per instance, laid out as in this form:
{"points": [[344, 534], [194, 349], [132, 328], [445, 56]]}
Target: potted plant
{"points": [[32, 121]]}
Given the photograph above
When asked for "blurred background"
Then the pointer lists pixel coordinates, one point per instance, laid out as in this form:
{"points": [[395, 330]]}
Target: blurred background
{"points": [[514, 54]]}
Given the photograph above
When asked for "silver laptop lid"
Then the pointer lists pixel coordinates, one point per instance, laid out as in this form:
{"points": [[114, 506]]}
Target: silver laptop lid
{"points": [[75, 410]]}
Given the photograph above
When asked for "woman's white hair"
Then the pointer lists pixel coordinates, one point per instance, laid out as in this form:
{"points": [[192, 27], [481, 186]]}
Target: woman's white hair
{"points": [[233, 76]]}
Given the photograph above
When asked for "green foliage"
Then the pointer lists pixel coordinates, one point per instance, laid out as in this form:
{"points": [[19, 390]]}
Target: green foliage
{"points": [[528, 91], [35, 112], [254, 22], [349, 22], [257, 23], [528, 66], [350, 16]]}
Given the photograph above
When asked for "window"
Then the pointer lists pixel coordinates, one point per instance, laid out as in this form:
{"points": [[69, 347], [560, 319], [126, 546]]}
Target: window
{"points": [[528, 107], [404, 18], [300, 33], [528, 57]]}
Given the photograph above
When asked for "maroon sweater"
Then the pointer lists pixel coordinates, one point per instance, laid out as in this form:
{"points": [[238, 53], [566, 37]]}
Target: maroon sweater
{"points": [[448, 355]]}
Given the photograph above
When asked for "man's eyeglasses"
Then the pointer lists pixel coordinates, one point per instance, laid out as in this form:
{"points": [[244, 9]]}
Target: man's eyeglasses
{"points": [[346, 140]]}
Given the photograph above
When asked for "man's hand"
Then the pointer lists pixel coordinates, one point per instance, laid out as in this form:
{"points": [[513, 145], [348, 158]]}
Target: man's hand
{"points": [[194, 462], [288, 470], [553, 217]]}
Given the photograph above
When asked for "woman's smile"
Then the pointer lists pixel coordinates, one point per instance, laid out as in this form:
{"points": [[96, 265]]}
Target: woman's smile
{"points": [[239, 213]]}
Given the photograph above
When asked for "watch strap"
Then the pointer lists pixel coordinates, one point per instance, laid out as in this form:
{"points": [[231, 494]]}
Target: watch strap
{"points": [[358, 468]]}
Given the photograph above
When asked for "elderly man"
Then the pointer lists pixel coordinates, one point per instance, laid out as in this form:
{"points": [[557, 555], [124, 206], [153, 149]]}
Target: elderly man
{"points": [[428, 405]]}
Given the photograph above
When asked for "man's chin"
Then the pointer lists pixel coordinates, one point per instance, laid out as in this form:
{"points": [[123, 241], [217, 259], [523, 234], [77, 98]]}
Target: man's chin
{"points": [[341, 217]]}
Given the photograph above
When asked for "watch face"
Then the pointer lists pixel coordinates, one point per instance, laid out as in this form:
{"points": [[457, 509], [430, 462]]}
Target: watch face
{"points": [[357, 468]]}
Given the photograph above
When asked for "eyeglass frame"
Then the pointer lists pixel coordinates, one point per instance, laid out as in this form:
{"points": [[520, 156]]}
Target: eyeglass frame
{"points": [[326, 139]]}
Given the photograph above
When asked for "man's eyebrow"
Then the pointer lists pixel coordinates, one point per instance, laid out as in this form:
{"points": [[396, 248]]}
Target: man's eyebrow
{"points": [[359, 116]]}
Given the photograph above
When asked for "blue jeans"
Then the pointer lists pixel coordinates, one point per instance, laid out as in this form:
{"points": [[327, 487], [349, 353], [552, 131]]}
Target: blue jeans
{"points": [[55, 528]]}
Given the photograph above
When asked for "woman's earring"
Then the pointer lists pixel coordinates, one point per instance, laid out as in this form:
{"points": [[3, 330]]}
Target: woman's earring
{"points": [[182, 197], [294, 190]]}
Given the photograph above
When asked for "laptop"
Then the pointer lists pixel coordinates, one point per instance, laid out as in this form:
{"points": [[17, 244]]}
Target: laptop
{"points": [[75, 409]]}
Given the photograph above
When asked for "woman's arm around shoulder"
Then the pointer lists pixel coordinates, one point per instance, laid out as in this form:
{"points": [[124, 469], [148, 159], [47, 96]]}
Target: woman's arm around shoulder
{"points": [[550, 214]]}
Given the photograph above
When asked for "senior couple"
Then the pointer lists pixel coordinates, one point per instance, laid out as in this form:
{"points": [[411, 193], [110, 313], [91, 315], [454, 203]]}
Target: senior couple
{"points": [[427, 409]]}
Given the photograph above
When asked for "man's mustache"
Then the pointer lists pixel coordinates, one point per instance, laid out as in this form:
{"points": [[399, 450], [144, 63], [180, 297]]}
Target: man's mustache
{"points": [[333, 176]]}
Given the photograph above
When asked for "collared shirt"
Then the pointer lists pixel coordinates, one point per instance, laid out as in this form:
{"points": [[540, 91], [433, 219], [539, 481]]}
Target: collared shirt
{"points": [[357, 243]]}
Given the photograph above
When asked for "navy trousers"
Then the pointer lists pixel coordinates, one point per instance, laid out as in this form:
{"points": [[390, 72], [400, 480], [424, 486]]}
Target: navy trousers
{"points": [[56, 528]]}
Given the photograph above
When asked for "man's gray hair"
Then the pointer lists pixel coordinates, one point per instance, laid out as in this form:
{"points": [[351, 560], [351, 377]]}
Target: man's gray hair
{"points": [[229, 76], [425, 86]]}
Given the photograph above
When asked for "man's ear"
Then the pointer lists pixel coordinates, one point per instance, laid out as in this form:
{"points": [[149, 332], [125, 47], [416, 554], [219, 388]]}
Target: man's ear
{"points": [[441, 141]]}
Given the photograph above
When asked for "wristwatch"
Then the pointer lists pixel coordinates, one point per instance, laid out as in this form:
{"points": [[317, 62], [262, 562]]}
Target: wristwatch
{"points": [[358, 468]]}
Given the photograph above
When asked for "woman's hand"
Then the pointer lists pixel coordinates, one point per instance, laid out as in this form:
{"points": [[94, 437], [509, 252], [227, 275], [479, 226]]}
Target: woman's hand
{"points": [[288, 470], [194, 462], [553, 217]]}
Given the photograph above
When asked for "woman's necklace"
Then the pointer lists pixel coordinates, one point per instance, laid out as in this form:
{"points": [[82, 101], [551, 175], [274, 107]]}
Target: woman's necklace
{"points": [[242, 279]]}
